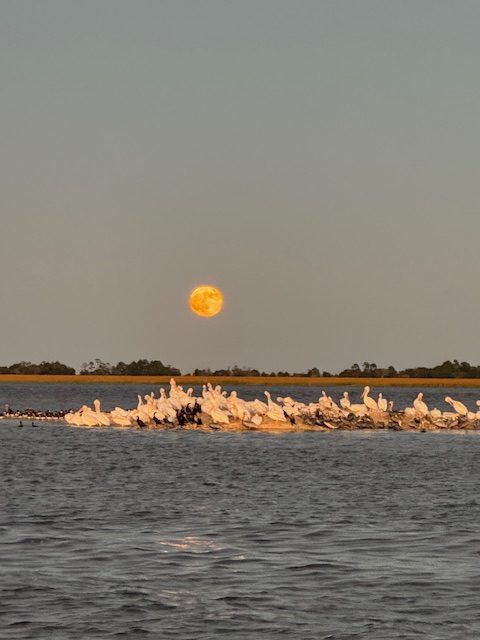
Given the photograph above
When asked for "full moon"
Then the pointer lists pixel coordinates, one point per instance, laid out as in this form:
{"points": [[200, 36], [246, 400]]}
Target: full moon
{"points": [[206, 301]]}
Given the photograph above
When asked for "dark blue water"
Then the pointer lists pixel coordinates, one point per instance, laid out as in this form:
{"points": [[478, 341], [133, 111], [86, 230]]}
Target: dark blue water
{"points": [[131, 534]]}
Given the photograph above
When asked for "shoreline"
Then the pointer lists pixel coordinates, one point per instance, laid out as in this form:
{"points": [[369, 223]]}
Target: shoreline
{"points": [[243, 381]]}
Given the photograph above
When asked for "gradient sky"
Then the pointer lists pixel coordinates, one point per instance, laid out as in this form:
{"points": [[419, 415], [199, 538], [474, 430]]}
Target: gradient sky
{"points": [[318, 161]]}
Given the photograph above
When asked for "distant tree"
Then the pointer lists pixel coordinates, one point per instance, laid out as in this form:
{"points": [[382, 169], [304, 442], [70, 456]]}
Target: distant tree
{"points": [[120, 369], [135, 368], [44, 368], [150, 368], [202, 372], [55, 368], [96, 367], [353, 372]]}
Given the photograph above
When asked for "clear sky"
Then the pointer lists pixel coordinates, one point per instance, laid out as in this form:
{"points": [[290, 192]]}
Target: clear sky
{"points": [[318, 161]]}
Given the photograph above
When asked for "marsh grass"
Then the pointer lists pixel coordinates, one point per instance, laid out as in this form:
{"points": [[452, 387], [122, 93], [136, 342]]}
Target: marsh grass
{"points": [[231, 380]]}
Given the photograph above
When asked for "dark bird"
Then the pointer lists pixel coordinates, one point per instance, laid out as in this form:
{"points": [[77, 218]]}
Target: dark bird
{"points": [[140, 422], [288, 417], [181, 418]]}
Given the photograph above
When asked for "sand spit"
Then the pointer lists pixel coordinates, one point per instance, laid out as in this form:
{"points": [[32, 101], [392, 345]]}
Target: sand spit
{"points": [[218, 410]]}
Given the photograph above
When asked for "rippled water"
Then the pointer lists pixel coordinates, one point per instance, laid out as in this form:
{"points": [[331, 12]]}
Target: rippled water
{"points": [[110, 534], [64, 396]]}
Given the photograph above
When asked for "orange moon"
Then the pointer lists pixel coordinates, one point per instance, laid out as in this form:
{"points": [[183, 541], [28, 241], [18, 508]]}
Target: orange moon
{"points": [[206, 301]]}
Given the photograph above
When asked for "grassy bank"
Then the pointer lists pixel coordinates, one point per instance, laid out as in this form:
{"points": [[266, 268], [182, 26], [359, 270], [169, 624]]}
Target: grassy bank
{"points": [[264, 381]]}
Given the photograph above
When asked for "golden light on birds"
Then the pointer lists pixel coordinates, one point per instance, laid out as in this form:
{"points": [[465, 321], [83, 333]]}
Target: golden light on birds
{"points": [[206, 301]]}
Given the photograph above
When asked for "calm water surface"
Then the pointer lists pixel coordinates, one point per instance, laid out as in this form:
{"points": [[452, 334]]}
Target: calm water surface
{"points": [[111, 534]]}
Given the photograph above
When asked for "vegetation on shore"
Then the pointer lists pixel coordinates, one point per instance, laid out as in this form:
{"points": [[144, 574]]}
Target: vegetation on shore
{"points": [[449, 373], [267, 381], [135, 368], [43, 369]]}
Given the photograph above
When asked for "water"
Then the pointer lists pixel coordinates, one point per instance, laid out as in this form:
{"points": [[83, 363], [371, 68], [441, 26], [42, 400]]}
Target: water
{"points": [[133, 534], [65, 396]]}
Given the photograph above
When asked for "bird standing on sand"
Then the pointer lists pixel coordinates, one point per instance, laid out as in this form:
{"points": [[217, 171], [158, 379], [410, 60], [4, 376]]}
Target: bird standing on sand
{"points": [[420, 406], [382, 402], [345, 401], [275, 411], [458, 406], [369, 402]]}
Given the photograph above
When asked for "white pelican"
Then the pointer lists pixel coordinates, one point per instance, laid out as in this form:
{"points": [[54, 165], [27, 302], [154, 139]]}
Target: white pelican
{"points": [[369, 402], [458, 406], [259, 407], [237, 407], [358, 410], [275, 411], [102, 418], [420, 406], [382, 402], [250, 418], [77, 418], [89, 418], [142, 415], [120, 417], [257, 419], [325, 402], [211, 407], [345, 401], [218, 415]]}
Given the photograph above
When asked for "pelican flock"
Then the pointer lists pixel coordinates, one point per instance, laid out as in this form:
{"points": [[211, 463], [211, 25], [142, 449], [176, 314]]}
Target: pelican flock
{"points": [[217, 410]]}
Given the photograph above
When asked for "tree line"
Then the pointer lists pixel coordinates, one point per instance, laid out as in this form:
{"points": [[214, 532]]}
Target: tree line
{"points": [[135, 368], [44, 368], [448, 369], [144, 367]]}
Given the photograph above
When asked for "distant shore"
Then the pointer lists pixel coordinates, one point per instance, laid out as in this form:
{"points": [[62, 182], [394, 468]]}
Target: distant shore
{"points": [[267, 381]]}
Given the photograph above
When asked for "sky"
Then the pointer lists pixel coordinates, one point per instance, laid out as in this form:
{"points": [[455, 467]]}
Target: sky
{"points": [[318, 161]]}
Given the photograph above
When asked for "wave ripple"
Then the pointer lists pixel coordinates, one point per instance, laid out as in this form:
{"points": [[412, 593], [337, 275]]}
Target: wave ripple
{"points": [[107, 534]]}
